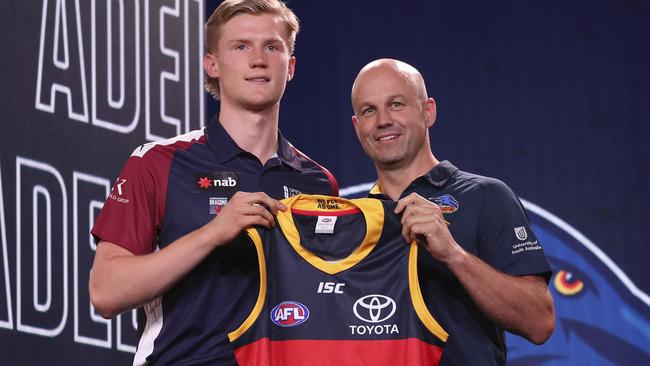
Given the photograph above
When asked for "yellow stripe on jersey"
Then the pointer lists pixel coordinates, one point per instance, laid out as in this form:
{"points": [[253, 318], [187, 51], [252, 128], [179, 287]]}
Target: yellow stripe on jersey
{"points": [[416, 296], [376, 189], [373, 213], [257, 309]]}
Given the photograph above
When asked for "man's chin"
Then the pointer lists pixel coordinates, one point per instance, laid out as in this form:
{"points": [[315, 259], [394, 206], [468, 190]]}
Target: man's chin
{"points": [[388, 162], [260, 105]]}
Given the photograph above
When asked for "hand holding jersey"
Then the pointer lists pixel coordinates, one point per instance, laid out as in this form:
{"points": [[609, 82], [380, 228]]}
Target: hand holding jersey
{"points": [[422, 221], [243, 210]]}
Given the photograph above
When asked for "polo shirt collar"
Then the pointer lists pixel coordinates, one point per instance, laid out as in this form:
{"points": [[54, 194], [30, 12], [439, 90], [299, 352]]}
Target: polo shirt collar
{"points": [[440, 173], [225, 148], [437, 177]]}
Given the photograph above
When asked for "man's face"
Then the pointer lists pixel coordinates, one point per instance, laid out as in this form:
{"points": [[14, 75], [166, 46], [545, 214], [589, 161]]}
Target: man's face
{"points": [[252, 62], [391, 119]]}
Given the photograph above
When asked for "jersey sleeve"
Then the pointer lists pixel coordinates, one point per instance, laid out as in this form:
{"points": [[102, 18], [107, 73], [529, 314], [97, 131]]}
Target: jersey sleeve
{"points": [[506, 240], [133, 209]]}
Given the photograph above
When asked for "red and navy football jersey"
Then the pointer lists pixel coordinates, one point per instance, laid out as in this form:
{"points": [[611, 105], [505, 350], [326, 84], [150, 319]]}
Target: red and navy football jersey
{"points": [[339, 286], [170, 188]]}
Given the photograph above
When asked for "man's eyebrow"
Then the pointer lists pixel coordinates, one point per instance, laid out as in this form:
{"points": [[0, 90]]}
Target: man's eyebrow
{"points": [[263, 40], [396, 95], [241, 40]]}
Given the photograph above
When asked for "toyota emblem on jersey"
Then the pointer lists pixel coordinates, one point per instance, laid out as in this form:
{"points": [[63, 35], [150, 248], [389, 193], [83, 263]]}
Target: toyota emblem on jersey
{"points": [[374, 308], [289, 314]]}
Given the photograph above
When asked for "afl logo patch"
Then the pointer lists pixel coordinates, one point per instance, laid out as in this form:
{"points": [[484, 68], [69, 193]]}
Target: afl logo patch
{"points": [[446, 202], [289, 314]]}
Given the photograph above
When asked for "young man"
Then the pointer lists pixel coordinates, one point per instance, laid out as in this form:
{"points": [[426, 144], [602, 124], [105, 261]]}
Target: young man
{"points": [[474, 278], [167, 235]]}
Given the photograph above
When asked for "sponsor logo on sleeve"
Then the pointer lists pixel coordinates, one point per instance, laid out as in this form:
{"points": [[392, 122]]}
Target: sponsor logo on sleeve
{"points": [[118, 188], [289, 314], [521, 233], [524, 245]]}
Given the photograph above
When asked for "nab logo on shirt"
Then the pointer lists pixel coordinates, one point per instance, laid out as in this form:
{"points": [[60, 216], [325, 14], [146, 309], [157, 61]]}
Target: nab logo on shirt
{"points": [[224, 182], [289, 314]]}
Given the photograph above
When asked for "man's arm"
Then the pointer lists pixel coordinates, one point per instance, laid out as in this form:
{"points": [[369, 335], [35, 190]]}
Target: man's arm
{"points": [[120, 280], [522, 305]]}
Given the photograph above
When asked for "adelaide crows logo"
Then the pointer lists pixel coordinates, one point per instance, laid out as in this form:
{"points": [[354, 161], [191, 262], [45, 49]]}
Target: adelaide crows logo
{"points": [[446, 202]]}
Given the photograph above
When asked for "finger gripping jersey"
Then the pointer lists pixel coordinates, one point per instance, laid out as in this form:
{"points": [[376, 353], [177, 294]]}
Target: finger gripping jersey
{"points": [[361, 308]]}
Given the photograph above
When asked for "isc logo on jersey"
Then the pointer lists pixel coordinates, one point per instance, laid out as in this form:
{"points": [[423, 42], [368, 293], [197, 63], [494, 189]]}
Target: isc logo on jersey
{"points": [[289, 314], [330, 287]]}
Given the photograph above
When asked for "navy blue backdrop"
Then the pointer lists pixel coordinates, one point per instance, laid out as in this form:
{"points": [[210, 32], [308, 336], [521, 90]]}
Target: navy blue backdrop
{"points": [[551, 97]]}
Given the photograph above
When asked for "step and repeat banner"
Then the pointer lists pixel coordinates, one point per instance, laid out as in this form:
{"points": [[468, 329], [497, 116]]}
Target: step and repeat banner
{"points": [[552, 98], [84, 83]]}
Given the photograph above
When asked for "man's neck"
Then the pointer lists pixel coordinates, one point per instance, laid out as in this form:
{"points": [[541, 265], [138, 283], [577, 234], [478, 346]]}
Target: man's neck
{"points": [[394, 181], [255, 132]]}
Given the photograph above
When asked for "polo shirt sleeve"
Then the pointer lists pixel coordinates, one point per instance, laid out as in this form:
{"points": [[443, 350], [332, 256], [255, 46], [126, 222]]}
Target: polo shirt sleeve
{"points": [[132, 213], [506, 240]]}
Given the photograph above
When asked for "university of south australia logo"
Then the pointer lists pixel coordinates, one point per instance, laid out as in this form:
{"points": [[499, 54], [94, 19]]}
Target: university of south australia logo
{"points": [[521, 233]]}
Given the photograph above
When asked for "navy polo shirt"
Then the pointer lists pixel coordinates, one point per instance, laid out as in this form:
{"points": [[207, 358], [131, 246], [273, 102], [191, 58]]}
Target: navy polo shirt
{"points": [[487, 219], [173, 187]]}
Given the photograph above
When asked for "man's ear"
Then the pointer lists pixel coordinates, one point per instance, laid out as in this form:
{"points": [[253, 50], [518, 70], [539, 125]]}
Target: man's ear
{"points": [[210, 65], [430, 112], [292, 68], [355, 123]]}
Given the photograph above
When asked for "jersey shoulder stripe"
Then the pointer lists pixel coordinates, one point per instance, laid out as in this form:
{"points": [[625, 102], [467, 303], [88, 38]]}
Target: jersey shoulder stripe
{"points": [[181, 141]]}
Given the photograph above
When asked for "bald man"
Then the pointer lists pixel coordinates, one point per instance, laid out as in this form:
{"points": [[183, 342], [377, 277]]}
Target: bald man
{"points": [[483, 270]]}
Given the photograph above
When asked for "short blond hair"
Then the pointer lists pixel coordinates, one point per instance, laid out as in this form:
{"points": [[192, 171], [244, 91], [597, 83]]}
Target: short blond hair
{"points": [[230, 8]]}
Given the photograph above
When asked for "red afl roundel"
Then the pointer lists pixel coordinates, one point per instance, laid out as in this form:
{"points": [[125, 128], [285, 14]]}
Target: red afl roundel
{"points": [[289, 314]]}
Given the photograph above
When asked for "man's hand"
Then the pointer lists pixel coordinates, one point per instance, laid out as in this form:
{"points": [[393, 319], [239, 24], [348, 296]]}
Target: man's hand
{"points": [[520, 304], [121, 280], [423, 221], [243, 211]]}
